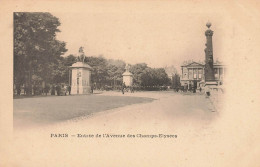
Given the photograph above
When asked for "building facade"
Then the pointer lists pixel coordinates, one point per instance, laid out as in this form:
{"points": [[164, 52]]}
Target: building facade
{"points": [[193, 74]]}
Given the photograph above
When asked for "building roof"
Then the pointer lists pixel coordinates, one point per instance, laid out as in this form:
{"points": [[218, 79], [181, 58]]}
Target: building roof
{"points": [[195, 64]]}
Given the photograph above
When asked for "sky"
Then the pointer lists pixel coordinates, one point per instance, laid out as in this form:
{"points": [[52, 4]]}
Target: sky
{"points": [[157, 33]]}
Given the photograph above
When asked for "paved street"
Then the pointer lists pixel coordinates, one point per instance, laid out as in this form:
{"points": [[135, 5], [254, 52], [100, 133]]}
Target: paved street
{"points": [[39, 111], [188, 116]]}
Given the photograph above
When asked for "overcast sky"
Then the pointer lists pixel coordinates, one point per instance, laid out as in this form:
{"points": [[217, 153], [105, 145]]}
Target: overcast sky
{"points": [[157, 33]]}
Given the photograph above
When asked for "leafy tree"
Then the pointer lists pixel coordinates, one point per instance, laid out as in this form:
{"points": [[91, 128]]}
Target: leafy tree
{"points": [[35, 47], [154, 77], [137, 71], [99, 70], [176, 81], [115, 69], [69, 60]]}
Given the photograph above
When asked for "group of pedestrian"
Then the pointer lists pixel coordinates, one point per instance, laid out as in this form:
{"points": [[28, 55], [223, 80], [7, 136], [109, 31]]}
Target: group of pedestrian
{"points": [[123, 88], [127, 88], [193, 89], [60, 89]]}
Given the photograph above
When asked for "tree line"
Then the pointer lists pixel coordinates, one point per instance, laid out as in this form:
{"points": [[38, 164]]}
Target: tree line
{"points": [[39, 60]]}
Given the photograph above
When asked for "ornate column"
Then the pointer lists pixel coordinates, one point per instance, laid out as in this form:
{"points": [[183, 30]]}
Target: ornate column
{"points": [[209, 70]]}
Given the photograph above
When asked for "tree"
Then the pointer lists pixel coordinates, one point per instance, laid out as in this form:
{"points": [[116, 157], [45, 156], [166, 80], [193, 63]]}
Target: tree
{"points": [[154, 77], [137, 70], [176, 81], [35, 47], [99, 70], [69, 60], [115, 69]]}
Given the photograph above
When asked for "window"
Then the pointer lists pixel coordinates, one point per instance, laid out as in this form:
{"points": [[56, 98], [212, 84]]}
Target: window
{"points": [[190, 74]]}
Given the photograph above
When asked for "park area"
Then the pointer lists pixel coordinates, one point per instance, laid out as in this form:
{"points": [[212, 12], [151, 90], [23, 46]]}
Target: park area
{"points": [[186, 116], [53, 109], [201, 137], [47, 110]]}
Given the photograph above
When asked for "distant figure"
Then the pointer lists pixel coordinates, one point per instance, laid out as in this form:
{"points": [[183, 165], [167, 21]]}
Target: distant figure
{"points": [[25, 90], [58, 89], [190, 88], [200, 89], [123, 88], [194, 89], [132, 89], [207, 91], [18, 90], [65, 89], [53, 90], [69, 89], [92, 88]]}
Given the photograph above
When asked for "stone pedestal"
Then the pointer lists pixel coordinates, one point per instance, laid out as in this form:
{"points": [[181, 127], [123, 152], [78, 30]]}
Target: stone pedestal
{"points": [[80, 78], [128, 79], [128, 76]]}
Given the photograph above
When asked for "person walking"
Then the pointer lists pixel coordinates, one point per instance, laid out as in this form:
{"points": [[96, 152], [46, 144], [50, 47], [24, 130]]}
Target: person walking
{"points": [[58, 89], [131, 89], [18, 90], [65, 89], [53, 90], [194, 89], [207, 91], [69, 89], [92, 88], [123, 88]]}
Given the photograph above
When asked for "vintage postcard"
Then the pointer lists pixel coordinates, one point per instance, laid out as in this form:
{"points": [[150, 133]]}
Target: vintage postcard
{"points": [[129, 83]]}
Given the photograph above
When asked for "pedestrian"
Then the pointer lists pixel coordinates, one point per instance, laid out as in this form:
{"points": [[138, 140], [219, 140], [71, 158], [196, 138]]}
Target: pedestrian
{"points": [[58, 89], [132, 89], [53, 90], [194, 89], [92, 88], [207, 91], [69, 89], [18, 90], [123, 88], [200, 88], [65, 89]]}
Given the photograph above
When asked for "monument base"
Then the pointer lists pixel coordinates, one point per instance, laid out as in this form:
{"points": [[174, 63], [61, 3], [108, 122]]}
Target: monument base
{"points": [[80, 78], [83, 90]]}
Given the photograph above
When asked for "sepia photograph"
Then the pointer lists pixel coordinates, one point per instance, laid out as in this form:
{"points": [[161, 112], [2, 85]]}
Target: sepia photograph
{"points": [[130, 83], [48, 73]]}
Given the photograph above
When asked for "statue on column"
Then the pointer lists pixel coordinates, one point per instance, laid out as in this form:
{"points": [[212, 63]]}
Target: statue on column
{"points": [[127, 67], [81, 56]]}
